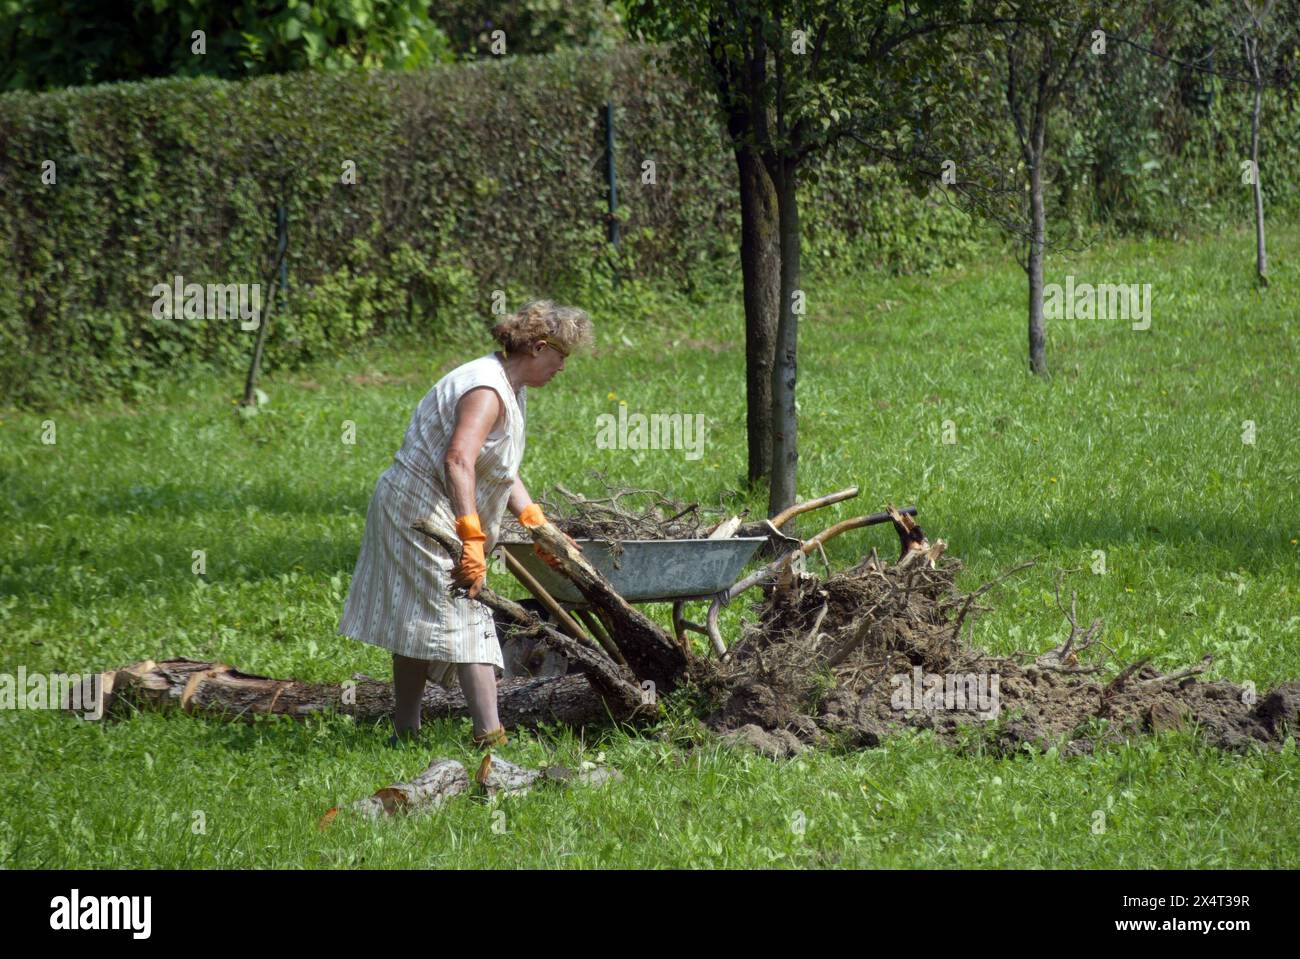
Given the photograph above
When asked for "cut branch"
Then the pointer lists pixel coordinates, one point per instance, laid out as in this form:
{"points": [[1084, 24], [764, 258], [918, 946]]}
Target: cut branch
{"points": [[649, 651]]}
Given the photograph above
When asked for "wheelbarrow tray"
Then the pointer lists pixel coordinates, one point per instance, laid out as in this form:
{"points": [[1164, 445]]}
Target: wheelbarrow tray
{"points": [[650, 570]]}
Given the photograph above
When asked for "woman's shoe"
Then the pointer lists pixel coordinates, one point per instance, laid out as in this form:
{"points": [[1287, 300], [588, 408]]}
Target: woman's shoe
{"points": [[493, 737]]}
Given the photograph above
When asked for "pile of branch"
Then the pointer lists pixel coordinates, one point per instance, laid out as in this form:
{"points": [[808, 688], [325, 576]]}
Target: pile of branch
{"points": [[629, 514]]}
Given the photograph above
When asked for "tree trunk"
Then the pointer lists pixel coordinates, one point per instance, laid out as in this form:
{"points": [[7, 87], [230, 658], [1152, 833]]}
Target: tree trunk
{"points": [[785, 423], [1034, 264], [760, 257], [1261, 258], [445, 778], [272, 288], [222, 692], [648, 650]]}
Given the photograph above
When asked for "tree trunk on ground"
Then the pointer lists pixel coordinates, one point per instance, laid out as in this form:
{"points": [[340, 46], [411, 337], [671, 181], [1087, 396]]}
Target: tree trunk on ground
{"points": [[760, 257], [443, 779], [785, 422], [220, 691]]}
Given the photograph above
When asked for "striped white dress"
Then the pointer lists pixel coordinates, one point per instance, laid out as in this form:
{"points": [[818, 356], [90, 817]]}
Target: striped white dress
{"points": [[400, 597]]}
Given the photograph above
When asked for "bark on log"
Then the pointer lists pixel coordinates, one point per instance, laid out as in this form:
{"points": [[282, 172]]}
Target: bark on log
{"points": [[613, 681], [443, 779], [499, 776], [220, 691], [649, 651]]}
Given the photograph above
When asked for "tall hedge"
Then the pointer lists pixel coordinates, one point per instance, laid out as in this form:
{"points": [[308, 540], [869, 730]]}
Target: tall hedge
{"points": [[469, 180]]}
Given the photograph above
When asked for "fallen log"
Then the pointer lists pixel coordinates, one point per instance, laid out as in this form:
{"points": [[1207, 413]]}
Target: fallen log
{"points": [[601, 691], [497, 776], [648, 650], [445, 778], [219, 691]]}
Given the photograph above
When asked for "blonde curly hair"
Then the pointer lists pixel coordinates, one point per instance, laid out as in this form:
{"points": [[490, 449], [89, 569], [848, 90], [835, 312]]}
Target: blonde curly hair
{"points": [[567, 326]]}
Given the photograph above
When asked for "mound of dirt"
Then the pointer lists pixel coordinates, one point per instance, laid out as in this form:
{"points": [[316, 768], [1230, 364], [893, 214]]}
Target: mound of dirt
{"points": [[852, 658]]}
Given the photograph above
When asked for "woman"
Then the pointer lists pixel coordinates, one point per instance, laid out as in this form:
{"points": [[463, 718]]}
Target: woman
{"points": [[458, 468]]}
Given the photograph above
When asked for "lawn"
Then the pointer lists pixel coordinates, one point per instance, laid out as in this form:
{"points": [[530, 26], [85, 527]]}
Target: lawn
{"points": [[1167, 454]]}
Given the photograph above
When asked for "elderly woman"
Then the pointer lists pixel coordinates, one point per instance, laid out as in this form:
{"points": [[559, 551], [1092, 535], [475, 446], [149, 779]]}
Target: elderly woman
{"points": [[459, 469]]}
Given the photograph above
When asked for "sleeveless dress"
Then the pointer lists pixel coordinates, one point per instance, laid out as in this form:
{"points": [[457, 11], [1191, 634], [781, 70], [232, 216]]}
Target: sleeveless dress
{"points": [[400, 598]]}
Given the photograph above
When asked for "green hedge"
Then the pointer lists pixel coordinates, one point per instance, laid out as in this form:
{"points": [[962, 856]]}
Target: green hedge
{"points": [[470, 180]]}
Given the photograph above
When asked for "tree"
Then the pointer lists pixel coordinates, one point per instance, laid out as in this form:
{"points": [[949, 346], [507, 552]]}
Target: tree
{"points": [[44, 45], [1252, 26], [1257, 45], [791, 79], [733, 64], [1042, 42], [1042, 56]]}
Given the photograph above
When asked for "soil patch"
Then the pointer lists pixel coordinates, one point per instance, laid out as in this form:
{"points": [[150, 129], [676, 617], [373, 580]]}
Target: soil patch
{"points": [[875, 649]]}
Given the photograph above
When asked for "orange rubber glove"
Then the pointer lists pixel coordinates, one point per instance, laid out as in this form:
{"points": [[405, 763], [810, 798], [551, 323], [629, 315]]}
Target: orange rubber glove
{"points": [[471, 571], [532, 515]]}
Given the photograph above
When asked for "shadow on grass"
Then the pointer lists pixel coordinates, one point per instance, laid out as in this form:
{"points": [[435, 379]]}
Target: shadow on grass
{"points": [[1258, 548], [178, 500]]}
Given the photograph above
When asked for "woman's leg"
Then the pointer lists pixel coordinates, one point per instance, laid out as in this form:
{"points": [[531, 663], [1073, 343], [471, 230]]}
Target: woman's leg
{"points": [[479, 683], [408, 693]]}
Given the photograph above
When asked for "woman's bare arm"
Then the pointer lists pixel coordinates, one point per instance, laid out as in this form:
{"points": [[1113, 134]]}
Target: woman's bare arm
{"points": [[519, 497], [476, 413]]}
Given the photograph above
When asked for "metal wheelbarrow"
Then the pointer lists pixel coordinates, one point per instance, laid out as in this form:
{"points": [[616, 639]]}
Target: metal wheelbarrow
{"points": [[673, 571], [649, 570]]}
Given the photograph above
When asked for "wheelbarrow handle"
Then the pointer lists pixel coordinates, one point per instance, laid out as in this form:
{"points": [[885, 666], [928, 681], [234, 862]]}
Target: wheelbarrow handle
{"points": [[876, 518]]}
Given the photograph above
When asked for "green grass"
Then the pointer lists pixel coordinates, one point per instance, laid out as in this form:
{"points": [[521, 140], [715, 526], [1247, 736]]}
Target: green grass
{"points": [[1133, 448]]}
